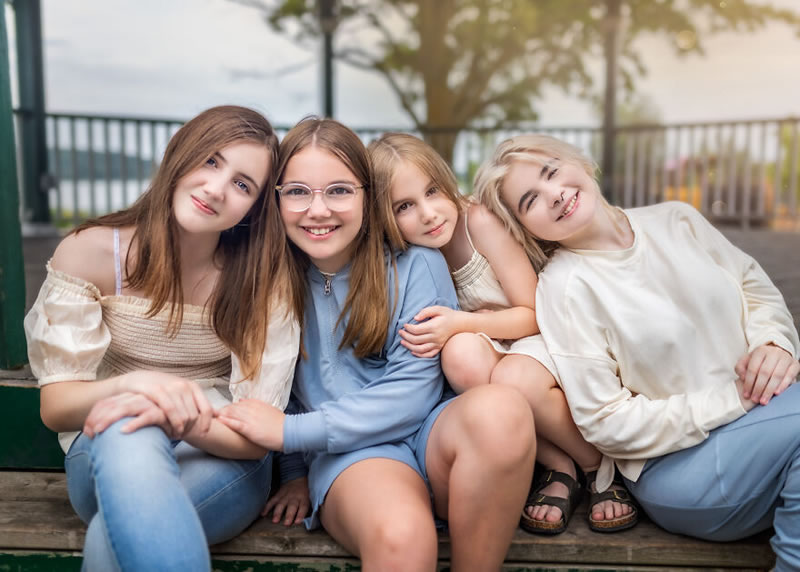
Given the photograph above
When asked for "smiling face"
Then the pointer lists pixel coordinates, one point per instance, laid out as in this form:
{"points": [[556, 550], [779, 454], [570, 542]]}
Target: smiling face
{"points": [[217, 195], [327, 237], [554, 200], [424, 214]]}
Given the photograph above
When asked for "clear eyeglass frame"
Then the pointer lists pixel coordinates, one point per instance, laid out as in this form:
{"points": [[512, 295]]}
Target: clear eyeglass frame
{"points": [[332, 196]]}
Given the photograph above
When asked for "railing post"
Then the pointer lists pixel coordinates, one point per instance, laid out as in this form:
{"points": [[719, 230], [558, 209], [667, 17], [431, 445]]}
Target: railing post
{"points": [[612, 26], [13, 352], [28, 19]]}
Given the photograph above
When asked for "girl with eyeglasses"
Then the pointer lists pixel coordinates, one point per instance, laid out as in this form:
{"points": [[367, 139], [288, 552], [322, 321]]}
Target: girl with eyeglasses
{"points": [[494, 338], [150, 318], [385, 451]]}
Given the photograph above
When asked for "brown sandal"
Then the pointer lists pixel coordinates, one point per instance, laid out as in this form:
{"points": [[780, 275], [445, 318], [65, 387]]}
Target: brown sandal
{"points": [[567, 505], [621, 496]]}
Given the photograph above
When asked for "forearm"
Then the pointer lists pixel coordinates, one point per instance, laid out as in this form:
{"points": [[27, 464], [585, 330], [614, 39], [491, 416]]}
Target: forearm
{"points": [[65, 405], [509, 324], [226, 443]]}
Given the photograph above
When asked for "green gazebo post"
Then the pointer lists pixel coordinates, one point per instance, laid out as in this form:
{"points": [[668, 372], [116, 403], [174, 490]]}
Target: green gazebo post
{"points": [[13, 352]]}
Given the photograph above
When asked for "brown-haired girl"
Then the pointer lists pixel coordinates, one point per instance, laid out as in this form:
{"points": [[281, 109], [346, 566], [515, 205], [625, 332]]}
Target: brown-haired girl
{"points": [[494, 338], [377, 436], [144, 317]]}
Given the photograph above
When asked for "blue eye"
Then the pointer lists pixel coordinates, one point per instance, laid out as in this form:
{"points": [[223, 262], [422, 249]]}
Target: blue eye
{"points": [[295, 191], [211, 162], [402, 207], [339, 191], [243, 186]]}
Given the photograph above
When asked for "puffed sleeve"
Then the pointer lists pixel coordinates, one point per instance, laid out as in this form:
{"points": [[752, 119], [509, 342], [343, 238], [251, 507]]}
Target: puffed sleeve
{"points": [[274, 382], [66, 335]]}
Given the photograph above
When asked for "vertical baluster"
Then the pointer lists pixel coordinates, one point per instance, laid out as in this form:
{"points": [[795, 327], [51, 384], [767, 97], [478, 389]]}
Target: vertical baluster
{"points": [[746, 178], [123, 163], [90, 153], [793, 159], [73, 154]]}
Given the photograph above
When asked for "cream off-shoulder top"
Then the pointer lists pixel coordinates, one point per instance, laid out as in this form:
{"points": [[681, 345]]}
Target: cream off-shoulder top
{"points": [[75, 333]]}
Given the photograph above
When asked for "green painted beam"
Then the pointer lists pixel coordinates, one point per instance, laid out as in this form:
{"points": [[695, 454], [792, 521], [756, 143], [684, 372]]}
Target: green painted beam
{"points": [[13, 352], [33, 137], [26, 442]]}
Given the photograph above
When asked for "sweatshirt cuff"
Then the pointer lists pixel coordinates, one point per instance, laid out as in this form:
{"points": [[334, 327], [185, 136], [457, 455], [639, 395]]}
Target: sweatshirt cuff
{"points": [[723, 405], [774, 338], [304, 432]]}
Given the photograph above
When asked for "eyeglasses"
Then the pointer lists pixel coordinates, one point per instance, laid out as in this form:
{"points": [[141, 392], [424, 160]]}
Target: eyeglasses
{"points": [[298, 197]]}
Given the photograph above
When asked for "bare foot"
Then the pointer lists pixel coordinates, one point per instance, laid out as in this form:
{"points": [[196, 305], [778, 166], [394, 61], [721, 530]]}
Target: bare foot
{"points": [[549, 513]]}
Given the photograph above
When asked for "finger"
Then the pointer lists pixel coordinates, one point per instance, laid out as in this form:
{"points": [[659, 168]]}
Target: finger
{"points": [[152, 416], [301, 514], [741, 366], [753, 366], [291, 513], [277, 513], [418, 329], [762, 379], [433, 353], [204, 410], [413, 348], [271, 502], [428, 312], [789, 377]]}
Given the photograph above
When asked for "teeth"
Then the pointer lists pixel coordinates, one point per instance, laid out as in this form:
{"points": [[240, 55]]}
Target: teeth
{"points": [[570, 205], [320, 231]]}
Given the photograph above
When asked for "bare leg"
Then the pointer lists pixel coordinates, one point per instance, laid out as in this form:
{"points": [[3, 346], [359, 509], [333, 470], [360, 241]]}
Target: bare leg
{"points": [[468, 360], [554, 424], [380, 510], [479, 460]]}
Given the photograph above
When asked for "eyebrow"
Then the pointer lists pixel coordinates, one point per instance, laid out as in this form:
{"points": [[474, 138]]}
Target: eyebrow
{"points": [[240, 174], [523, 198], [547, 166]]}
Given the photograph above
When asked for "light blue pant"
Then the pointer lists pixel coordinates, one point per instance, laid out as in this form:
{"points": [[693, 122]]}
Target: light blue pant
{"points": [[156, 504], [742, 479]]}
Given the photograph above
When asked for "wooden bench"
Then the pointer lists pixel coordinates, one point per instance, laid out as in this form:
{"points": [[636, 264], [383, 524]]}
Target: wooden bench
{"points": [[40, 531]]}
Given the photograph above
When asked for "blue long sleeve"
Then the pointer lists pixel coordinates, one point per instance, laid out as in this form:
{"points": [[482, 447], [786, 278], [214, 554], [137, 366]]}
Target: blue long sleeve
{"points": [[353, 403]]}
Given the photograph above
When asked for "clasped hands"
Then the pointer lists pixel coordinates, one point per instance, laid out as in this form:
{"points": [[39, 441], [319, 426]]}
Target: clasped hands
{"points": [[182, 410], [763, 373]]}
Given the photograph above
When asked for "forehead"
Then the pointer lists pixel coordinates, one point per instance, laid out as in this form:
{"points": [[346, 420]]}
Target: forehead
{"points": [[317, 167]]}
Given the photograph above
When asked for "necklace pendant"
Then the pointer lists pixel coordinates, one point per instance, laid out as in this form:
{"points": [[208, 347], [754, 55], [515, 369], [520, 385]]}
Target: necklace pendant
{"points": [[327, 290]]}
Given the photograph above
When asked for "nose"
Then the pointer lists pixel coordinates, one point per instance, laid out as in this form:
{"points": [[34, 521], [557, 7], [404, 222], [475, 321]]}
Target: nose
{"points": [[426, 213], [215, 187], [318, 206], [558, 198]]}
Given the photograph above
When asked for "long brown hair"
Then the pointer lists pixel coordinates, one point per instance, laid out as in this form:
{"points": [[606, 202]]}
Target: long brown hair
{"points": [[253, 270], [367, 300], [387, 154]]}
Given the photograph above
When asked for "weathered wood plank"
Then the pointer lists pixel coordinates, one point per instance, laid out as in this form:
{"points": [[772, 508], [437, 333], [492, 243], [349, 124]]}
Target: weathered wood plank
{"points": [[35, 515]]}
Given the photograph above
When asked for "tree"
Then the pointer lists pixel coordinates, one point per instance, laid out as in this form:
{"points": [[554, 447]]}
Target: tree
{"points": [[458, 63]]}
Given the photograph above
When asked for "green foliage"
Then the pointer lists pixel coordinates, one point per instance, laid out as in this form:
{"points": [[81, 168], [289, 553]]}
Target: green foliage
{"points": [[454, 63]]}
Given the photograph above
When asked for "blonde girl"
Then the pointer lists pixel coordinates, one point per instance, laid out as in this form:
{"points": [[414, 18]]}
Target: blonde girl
{"points": [[144, 317], [385, 451], [676, 352], [493, 339]]}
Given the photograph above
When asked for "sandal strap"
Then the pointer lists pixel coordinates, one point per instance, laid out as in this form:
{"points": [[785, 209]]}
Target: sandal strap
{"points": [[566, 505], [618, 495]]}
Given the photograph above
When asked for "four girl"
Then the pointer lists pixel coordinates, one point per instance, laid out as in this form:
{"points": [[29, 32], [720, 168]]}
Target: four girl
{"points": [[152, 319]]}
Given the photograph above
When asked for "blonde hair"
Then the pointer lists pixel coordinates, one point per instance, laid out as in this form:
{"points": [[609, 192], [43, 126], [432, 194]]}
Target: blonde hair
{"points": [[367, 301], [536, 149], [253, 268], [391, 151]]}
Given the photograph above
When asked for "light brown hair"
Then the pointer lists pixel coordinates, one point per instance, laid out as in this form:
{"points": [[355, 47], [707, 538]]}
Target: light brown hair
{"points": [[367, 300], [536, 149], [389, 152], [252, 276]]}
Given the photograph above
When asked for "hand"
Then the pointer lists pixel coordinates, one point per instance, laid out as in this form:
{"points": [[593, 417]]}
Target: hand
{"points": [[183, 402], [437, 324], [108, 411], [766, 371], [290, 501], [259, 422]]}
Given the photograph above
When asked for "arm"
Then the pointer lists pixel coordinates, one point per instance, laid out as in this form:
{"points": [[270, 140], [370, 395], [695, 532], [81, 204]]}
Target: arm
{"points": [[388, 408], [513, 270]]}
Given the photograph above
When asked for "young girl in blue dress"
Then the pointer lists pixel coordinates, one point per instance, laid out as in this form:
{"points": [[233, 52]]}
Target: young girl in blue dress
{"points": [[384, 450]]}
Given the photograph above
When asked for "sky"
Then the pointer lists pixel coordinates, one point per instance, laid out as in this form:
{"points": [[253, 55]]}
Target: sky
{"points": [[174, 58]]}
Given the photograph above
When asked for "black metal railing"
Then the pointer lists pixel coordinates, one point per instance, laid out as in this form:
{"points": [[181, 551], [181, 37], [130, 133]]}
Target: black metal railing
{"points": [[743, 172]]}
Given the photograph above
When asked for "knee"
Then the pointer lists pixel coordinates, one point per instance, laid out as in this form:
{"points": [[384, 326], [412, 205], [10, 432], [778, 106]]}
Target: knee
{"points": [[402, 542], [466, 361], [526, 374], [500, 424]]}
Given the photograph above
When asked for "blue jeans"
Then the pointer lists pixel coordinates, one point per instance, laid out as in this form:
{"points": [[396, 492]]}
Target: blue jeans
{"points": [[156, 504], [741, 480]]}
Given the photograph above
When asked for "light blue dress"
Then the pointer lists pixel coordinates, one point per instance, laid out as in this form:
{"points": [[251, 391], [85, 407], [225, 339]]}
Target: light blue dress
{"points": [[383, 405]]}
